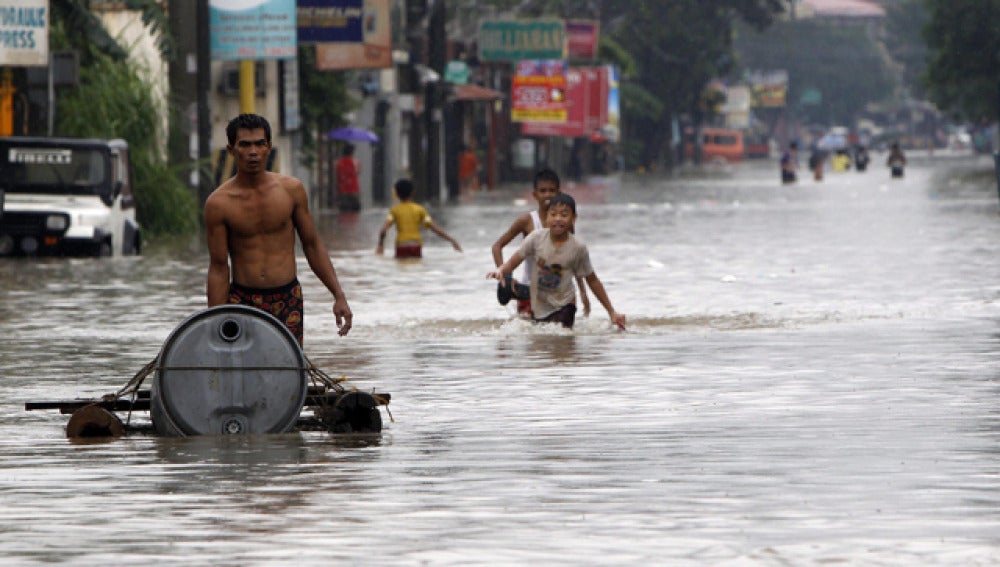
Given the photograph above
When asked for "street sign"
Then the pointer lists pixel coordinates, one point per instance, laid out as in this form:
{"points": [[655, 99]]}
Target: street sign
{"points": [[513, 40]]}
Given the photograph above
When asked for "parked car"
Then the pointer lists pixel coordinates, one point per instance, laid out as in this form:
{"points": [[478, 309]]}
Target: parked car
{"points": [[67, 196]]}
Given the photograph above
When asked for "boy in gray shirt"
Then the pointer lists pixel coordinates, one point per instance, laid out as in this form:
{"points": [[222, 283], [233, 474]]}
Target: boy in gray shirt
{"points": [[559, 258]]}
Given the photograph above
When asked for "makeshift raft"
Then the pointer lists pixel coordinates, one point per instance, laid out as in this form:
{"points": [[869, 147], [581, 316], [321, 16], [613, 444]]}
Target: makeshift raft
{"points": [[227, 370]]}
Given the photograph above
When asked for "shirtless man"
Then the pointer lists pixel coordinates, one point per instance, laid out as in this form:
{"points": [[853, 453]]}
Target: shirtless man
{"points": [[251, 221]]}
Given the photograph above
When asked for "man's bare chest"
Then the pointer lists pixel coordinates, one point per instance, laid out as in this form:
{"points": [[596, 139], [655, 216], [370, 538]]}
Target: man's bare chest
{"points": [[259, 215]]}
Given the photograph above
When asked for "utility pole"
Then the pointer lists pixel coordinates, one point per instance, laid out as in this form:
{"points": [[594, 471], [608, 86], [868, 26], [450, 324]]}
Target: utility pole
{"points": [[437, 55], [190, 84], [416, 11], [204, 81]]}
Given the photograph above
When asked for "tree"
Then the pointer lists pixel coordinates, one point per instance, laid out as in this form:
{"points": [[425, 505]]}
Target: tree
{"points": [[323, 100], [844, 64], [904, 40], [678, 48], [964, 64], [115, 100]]}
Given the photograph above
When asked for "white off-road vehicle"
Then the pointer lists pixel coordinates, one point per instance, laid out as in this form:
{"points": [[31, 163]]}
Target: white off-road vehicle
{"points": [[66, 197]]}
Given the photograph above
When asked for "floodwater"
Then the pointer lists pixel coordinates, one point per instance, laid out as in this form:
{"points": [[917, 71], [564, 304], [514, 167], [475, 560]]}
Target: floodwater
{"points": [[810, 375]]}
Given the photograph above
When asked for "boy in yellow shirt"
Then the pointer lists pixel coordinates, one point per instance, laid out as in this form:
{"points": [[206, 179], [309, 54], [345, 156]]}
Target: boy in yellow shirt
{"points": [[409, 218]]}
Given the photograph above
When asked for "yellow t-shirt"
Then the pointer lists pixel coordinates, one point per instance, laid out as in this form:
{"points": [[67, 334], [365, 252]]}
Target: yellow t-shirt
{"points": [[409, 218]]}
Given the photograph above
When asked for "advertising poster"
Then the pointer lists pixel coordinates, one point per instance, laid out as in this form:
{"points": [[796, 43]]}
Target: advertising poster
{"points": [[613, 126], [252, 29], [24, 33], [538, 91], [768, 88], [349, 34], [577, 103]]}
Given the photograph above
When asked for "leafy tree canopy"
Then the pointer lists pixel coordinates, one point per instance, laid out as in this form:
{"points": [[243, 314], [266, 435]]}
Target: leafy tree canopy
{"points": [[963, 37]]}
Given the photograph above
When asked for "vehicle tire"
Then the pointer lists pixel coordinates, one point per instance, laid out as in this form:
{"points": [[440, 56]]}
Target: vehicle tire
{"points": [[103, 250], [133, 248]]}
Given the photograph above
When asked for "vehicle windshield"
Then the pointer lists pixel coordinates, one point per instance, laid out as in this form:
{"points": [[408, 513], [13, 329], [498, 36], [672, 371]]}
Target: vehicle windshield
{"points": [[54, 170]]}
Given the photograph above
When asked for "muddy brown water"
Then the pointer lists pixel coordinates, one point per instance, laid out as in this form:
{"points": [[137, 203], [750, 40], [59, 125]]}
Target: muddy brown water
{"points": [[810, 375]]}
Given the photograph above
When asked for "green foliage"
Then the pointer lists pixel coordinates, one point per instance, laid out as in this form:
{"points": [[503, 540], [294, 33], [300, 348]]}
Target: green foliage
{"points": [[905, 22], [81, 29], [115, 101], [963, 37], [843, 63], [323, 100], [678, 48]]}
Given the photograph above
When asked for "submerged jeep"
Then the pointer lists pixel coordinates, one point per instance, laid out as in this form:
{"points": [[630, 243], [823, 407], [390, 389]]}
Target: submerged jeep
{"points": [[66, 197]]}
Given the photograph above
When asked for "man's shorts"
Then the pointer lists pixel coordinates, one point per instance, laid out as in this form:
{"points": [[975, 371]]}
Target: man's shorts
{"points": [[565, 315], [284, 302]]}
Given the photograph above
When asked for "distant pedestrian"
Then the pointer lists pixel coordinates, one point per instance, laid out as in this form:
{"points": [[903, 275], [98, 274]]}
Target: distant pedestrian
{"points": [[348, 190], [790, 164], [896, 161], [468, 169], [840, 161], [409, 218], [816, 159], [861, 158]]}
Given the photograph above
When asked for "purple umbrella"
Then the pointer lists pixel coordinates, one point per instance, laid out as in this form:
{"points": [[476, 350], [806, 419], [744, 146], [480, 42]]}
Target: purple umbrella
{"points": [[352, 134]]}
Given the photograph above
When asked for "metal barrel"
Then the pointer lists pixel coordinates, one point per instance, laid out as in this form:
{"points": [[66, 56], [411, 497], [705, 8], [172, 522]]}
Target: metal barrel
{"points": [[229, 370]]}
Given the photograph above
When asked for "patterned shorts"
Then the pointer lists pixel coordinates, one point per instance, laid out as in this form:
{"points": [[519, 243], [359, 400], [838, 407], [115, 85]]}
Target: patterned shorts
{"points": [[284, 302]]}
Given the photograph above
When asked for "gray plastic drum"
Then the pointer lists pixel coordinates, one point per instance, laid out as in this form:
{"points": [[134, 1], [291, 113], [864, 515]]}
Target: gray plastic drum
{"points": [[230, 370]]}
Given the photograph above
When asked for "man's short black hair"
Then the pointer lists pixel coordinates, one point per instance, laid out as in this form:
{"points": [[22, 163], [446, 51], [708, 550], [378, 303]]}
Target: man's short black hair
{"points": [[348, 149], [247, 122], [563, 199], [547, 175], [404, 189]]}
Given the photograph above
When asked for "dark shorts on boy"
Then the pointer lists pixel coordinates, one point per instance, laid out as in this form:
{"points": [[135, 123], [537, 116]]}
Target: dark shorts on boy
{"points": [[284, 302], [565, 315], [408, 249]]}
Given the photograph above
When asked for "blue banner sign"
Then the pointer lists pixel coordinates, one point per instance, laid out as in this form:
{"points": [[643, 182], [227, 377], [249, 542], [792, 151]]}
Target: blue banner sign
{"points": [[252, 29]]}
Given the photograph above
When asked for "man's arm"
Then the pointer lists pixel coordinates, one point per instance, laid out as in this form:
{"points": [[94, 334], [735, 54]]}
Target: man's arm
{"points": [[217, 285], [516, 228], [318, 257]]}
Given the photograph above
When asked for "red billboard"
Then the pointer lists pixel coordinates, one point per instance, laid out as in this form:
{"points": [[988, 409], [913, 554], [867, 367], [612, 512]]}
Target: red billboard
{"points": [[586, 105]]}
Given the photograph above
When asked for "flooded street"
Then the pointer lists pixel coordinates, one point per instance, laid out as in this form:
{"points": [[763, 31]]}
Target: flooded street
{"points": [[810, 375]]}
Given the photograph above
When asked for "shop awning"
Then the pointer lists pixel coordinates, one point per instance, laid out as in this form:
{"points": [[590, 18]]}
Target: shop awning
{"points": [[475, 92]]}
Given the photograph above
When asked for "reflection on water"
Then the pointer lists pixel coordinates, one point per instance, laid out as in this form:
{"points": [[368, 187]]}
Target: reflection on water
{"points": [[809, 376]]}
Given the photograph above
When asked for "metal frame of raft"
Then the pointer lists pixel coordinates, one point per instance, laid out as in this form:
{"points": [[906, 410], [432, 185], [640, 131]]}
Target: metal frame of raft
{"points": [[335, 408], [256, 400]]}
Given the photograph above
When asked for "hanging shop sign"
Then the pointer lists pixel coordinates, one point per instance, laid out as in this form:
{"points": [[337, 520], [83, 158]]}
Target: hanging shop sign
{"points": [[514, 40], [24, 33], [349, 34]]}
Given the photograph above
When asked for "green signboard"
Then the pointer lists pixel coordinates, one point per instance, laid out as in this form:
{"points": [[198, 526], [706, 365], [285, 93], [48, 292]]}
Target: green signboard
{"points": [[513, 40]]}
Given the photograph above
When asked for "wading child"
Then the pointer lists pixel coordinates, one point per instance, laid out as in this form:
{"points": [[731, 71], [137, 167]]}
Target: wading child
{"points": [[558, 258], [409, 218], [896, 161], [546, 186]]}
